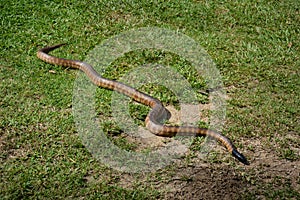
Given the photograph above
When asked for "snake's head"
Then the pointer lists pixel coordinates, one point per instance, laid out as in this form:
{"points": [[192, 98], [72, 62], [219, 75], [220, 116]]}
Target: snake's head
{"points": [[240, 157]]}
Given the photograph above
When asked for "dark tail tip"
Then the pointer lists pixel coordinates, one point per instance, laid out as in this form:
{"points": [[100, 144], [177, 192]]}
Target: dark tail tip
{"points": [[240, 157], [48, 49]]}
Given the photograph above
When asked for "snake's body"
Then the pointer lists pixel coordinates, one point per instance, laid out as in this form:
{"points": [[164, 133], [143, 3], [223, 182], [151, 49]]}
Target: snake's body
{"points": [[156, 114]]}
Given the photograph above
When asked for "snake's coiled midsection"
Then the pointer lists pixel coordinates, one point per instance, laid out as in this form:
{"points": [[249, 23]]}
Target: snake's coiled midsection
{"points": [[156, 115]]}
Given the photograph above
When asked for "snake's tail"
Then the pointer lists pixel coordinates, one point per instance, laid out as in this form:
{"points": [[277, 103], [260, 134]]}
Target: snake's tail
{"points": [[240, 157], [48, 49]]}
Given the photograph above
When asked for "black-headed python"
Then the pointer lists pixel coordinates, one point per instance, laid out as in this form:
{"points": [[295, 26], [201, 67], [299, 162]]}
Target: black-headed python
{"points": [[155, 116]]}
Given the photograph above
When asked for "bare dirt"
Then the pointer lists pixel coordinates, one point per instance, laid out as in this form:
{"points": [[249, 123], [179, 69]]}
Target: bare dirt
{"points": [[213, 181], [267, 177]]}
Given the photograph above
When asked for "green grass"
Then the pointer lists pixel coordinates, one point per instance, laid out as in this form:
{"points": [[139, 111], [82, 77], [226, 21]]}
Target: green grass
{"points": [[255, 45]]}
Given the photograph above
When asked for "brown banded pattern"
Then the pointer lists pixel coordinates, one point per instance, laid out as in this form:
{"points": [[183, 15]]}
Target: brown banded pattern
{"points": [[157, 114]]}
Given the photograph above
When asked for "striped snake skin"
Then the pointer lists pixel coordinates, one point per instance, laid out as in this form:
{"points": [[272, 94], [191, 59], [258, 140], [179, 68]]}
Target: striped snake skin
{"points": [[157, 114]]}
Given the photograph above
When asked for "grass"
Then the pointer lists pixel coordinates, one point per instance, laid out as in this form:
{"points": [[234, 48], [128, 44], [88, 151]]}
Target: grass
{"points": [[255, 45]]}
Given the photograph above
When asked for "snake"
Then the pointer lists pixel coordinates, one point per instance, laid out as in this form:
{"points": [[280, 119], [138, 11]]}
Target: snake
{"points": [[157, 114]]}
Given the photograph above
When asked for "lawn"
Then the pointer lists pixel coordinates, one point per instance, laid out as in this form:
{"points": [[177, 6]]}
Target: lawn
{"points": [[255, 48]]}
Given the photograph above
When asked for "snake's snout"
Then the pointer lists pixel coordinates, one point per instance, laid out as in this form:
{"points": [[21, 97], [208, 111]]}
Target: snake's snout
{"points": [[240, 157]]}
